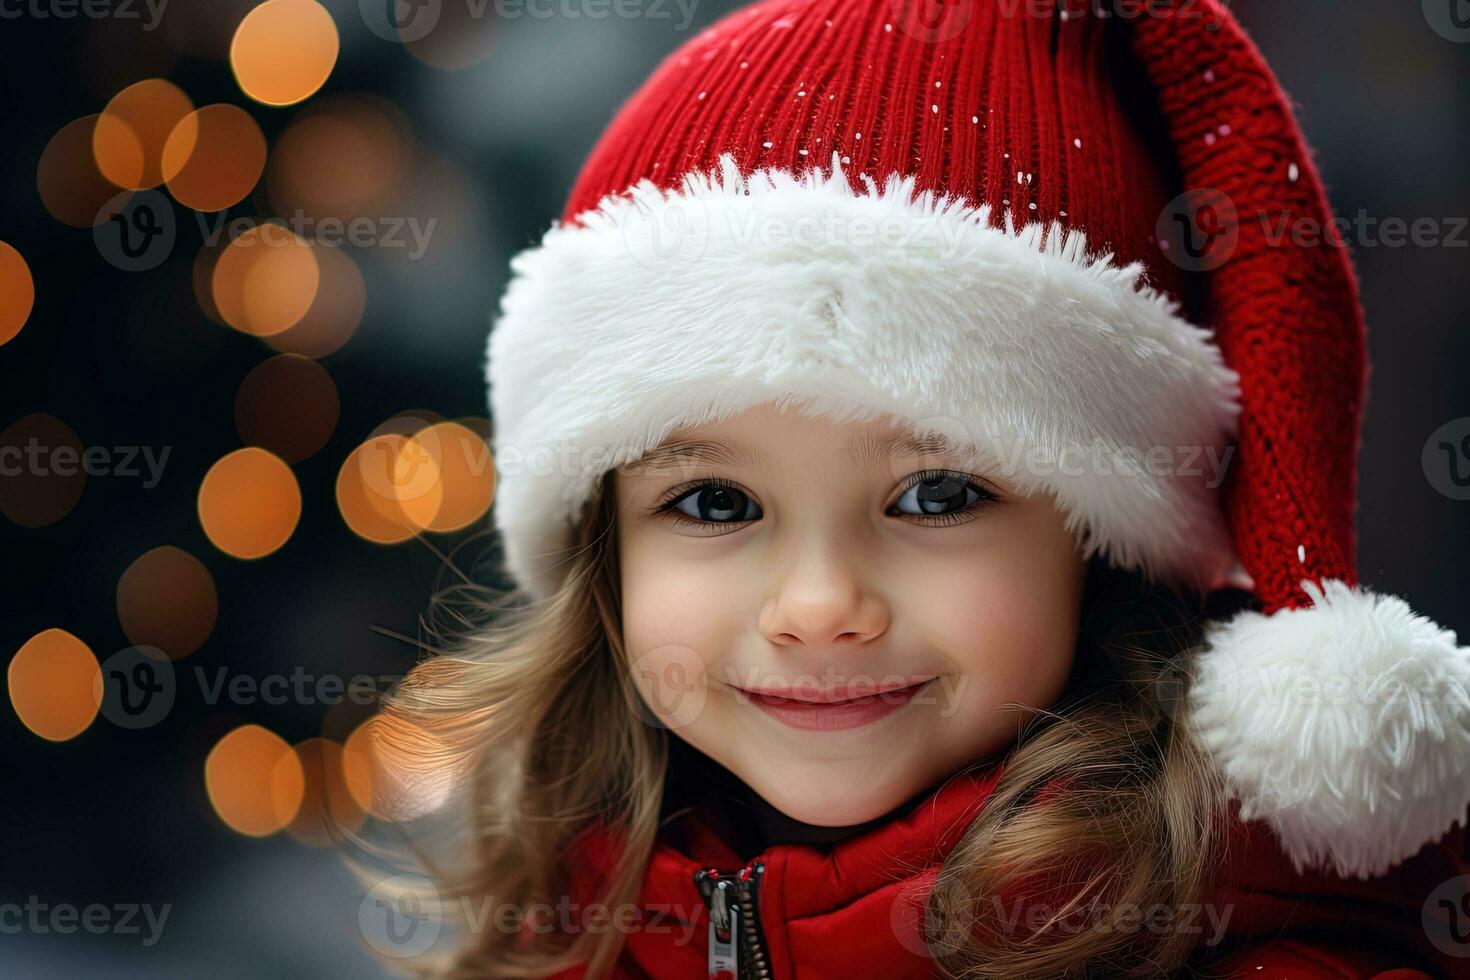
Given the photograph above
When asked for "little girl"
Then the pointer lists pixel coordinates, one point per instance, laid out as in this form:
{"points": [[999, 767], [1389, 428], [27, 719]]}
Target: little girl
{"points": [[929, 497]]}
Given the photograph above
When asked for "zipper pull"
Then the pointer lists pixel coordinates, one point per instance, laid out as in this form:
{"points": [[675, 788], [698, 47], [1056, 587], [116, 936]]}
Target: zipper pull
{"points": [[724, 960]]}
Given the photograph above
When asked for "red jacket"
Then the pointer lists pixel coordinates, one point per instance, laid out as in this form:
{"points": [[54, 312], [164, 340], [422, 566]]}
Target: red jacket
{"points": [[851, 909]]}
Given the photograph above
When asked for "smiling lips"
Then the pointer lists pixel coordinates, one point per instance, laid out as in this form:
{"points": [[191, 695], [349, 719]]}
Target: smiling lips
{"points": [[833, 710]]}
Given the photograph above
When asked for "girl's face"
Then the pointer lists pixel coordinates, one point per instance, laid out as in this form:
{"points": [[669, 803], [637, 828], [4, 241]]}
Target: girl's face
{"points": [[831, 619]]}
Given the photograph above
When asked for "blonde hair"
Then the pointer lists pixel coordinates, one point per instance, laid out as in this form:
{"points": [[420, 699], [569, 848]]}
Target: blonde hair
{"points": [[528, 703]]}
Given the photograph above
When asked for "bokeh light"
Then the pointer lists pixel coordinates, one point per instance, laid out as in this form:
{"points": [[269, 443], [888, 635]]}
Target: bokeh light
{"points": [[335, 311], [341, 157], [213, 157], [461, 459], [72, 189], [265, 280], [55, 685], [341, 719], [254, 781], [131, 132], [249, 503], [17, 292], [396, 770], [327, 805], [385, 495], [166, 599], [202, 278], [284, 50], [44, 469], [289, 405], [408, 422]]}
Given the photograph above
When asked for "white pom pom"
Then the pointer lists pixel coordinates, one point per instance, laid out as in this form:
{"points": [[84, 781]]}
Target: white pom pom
{"points": [[1344, 725]]}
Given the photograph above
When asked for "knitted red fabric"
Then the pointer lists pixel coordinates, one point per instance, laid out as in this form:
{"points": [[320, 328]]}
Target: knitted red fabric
{"points": [[988, 101], [1287, 317]]}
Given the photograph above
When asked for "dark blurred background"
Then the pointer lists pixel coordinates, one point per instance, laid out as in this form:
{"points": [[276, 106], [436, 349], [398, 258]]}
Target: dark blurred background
{"points": [[159, 365]]}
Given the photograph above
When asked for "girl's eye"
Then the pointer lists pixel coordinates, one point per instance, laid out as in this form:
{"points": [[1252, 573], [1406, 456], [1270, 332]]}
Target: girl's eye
{"points": [[942, 497], [716, 502]]}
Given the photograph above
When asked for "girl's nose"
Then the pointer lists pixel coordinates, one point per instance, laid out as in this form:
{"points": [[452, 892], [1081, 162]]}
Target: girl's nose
{"points": [[822, 601]]}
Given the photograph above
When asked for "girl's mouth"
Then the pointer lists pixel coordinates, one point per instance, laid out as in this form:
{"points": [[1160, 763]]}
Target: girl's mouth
{"points": [[835, 710]]}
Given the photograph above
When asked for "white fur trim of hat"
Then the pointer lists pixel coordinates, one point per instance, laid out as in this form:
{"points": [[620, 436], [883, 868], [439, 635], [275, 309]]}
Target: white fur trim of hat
{"points": [[670, 309]]}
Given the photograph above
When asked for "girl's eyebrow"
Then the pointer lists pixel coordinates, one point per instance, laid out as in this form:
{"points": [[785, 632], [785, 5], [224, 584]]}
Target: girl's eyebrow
{"points": [[870, 450], [733, 453], [685, 452]]}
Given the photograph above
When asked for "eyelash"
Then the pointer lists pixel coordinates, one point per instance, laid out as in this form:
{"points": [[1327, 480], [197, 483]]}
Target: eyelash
{"points": [[666, 507]]}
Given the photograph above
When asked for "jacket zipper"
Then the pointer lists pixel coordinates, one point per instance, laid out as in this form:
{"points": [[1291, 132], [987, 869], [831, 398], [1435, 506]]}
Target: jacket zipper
{"points": [[737, 948]]}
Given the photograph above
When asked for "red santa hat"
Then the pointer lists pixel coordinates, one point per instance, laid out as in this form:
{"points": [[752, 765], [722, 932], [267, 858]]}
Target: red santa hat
{"points": [[1037, 231]]}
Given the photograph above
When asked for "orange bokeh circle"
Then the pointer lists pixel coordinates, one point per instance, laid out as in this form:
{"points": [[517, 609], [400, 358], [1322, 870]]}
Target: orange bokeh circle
{"points": [[249, 503]]}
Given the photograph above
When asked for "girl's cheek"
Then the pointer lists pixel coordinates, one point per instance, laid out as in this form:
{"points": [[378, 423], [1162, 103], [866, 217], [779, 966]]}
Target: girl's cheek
{"points": [[1006, 614], [675, 622]]}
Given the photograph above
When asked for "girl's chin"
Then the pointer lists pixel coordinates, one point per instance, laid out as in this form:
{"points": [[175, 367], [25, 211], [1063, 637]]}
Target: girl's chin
{"points": [[820, 804]]}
